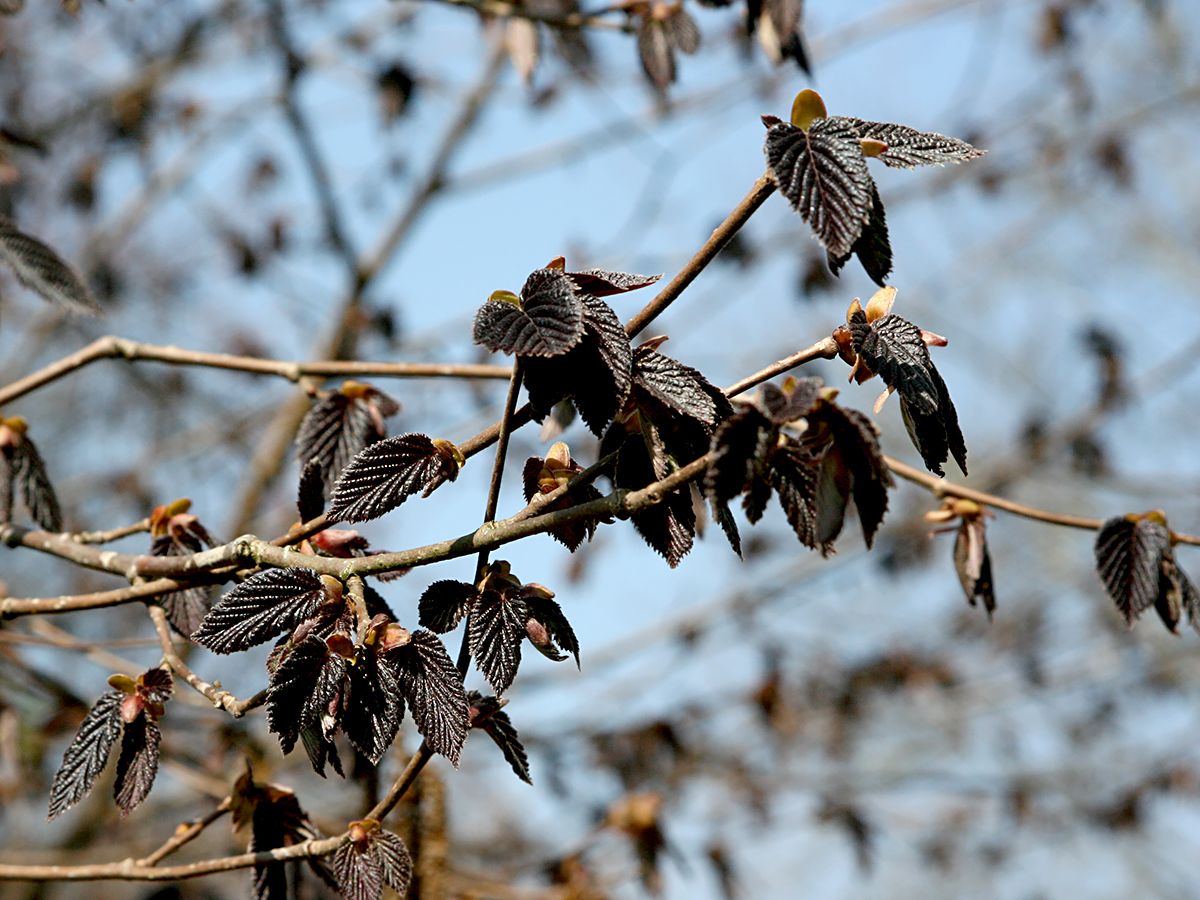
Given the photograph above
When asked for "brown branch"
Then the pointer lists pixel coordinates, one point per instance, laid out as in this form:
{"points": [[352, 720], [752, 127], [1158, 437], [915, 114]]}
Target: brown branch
{"points": [[112, 347], [401, 785], [131, 870], [185, 834], [113, 534], [759, 192], [11, 607], [221, 699]]}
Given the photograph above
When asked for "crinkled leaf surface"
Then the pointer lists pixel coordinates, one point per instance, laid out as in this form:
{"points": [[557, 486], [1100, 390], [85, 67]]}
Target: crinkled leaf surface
{"points": [[549, 321], [387, 473], [87, 753], [263, 606]]}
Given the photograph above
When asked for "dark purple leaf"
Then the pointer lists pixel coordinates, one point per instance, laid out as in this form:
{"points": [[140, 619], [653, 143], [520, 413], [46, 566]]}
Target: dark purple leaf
{"points": [[1129, 557], [444, 604], [44, 272], [973, 564], [496, 629], [138, 763], [87, 753], [907, 147], [548, 322], [263, 606], [386, 474], [823, 174], [433, 687], [599, 283]]}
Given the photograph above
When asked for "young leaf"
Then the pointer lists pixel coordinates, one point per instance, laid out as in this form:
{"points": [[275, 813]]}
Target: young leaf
{"points": [[374, 707], [599, 283], [138, 763], [444, 604], [856, 445], [545, 615], [973, 563], [340, 425], [44, 272], [873, 247], [679, 387], [320, 749], [596, 373], [369, 859], [187, 608], [87, 753], [396, 863], [908, 148], [495, 629], [310, 494], [895, 349], [358, 872], [547, 322], [1130, 555], [386, 474], [823, 174], [669, 527], [740, 445], [544, 475], [302, 689], [487, 715], [433, 687], [21, 467], [263, 606]]}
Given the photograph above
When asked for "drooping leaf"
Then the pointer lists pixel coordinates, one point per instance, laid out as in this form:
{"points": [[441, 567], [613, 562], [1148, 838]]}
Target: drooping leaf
{"points": [[496, 629], [936, 436], [394, 859], [894, 349], [669, 527], [339, 426], [548, 321], [873, 247], [823, 174], [856, 443], [740, 444], [973, 563], [87, 753], [433, 687], [29, 471], [908, 148], [186, 608], [444, 603], [44, 272], [263, 606], [600, 283], [814, 511], [1129, 559], [320, 749], [277, 820], [358, 872], [596, 374], [656, 52], [138, 763], [374, 707], [387, 473], [723, 516], [302, 688], [490, 718], [679, 387], [546, 614], [310, 494]]}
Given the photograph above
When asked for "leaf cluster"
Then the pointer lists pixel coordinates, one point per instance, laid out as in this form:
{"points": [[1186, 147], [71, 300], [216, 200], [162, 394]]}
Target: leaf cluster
{"points": [[819, 163], [338, 426], [667, 421], [795, 443], [1136, 562], [341, 665], [130, 712], [501, 614]]}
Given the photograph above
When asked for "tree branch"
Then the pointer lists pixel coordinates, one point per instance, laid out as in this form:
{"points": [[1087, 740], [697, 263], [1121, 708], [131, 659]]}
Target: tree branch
{"points": [[186, 834], [112, 347], [219, 698]]}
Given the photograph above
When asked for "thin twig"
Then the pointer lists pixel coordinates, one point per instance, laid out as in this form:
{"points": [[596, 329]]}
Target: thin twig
{"points": [[219, 698], [401, 785], [504, 10], [130, 870], [186, 833], [112, 347], [113, 534]]}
